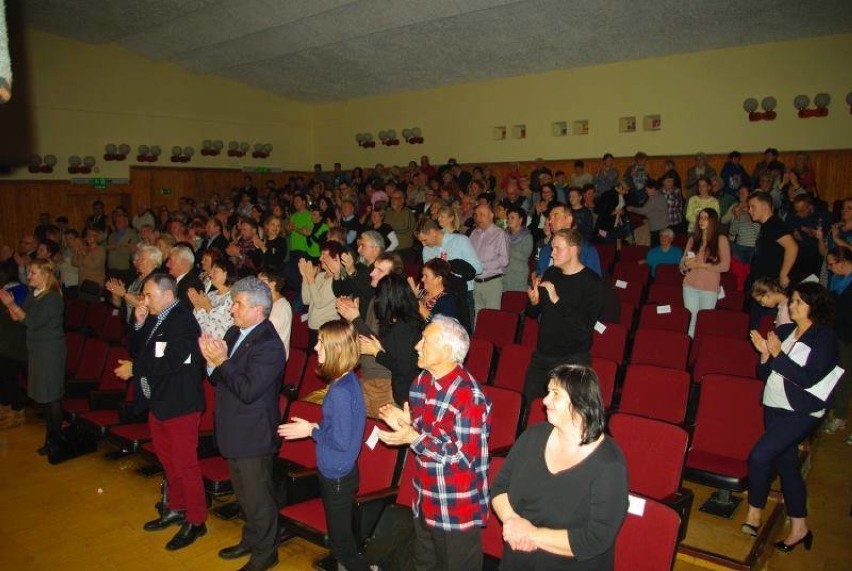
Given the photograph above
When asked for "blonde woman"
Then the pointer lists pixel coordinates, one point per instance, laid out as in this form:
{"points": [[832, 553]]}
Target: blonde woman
{"points": [[338, 437], [42, 314]]}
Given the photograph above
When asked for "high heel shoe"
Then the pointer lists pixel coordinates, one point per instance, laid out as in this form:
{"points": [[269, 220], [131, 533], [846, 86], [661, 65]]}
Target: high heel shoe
{"points": [[749, 529], [808, 540]]}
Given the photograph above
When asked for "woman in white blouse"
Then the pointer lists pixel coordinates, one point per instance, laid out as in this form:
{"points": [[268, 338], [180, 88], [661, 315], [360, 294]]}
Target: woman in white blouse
{"points": [[281, 315], [213, 310]]}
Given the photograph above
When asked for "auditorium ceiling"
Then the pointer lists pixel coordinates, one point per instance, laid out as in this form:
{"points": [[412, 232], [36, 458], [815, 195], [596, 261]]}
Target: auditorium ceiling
{"points": [[331, 50]]}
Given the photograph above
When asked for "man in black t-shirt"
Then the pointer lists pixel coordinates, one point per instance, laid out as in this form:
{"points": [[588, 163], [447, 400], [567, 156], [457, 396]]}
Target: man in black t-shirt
{"points": [[775, 249]]}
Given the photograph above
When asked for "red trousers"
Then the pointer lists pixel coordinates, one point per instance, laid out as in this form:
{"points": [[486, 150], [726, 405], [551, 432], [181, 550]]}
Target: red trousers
{"points": [[176, 443]]}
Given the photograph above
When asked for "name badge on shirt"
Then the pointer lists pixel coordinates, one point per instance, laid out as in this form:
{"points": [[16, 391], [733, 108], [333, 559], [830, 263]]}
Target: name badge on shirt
{"points": [[159, 349]]}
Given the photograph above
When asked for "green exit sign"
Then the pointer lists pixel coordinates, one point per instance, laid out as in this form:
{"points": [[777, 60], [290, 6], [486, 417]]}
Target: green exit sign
{"points": [[99, 182], [166, 191]]}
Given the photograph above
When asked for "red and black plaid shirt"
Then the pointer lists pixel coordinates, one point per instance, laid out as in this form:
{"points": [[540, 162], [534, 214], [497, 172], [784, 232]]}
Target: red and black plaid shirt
{"points": [[453, 417]]}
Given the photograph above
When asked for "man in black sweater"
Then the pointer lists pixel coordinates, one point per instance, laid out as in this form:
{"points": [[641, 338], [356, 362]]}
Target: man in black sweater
{"points": [[569, 299]]}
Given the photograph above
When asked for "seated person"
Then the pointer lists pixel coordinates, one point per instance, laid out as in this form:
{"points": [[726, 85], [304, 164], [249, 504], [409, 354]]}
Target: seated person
{"points": [[665, 253]]}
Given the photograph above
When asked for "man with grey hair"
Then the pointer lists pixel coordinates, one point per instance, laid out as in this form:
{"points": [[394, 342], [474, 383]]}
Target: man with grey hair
{"points": [[353, 279], [447, 427], [246, 368], [181, 266], [146, 261]]}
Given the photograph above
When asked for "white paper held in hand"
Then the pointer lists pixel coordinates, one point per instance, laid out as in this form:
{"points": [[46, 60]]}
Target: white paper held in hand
{"points": [[636, 505], [621, 284], [373, 439], [304, 317], [661, 309], [600, 327]]}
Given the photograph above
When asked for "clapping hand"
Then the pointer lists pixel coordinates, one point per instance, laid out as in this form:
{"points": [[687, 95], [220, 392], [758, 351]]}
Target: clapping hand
{"points": [[370, 345], [773, 344], [124, 370], [6, 298], [759, 343], [296, 428], [399, 421], [116, 287], [348, 308], [232, 250], [413, 285], [215, 351], [348, 262], [533, 291], [258, 242], [551, 291]]}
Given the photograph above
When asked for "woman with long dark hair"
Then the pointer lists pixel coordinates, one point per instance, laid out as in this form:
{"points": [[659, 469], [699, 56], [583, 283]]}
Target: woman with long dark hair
{"points": [[400, 327], [42, 313], [799, 364], [707, 256], [435, 297], [338, 437]]}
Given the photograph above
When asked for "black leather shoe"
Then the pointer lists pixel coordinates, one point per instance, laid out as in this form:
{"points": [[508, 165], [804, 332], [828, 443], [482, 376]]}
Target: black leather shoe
{"points": [[186, 536], [808, 540], [165, 521], [234, 552], [252, 567]]}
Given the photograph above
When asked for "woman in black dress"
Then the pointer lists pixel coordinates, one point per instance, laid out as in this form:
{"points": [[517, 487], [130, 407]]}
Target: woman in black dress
{"points": [[42, 313], [562, 493]]}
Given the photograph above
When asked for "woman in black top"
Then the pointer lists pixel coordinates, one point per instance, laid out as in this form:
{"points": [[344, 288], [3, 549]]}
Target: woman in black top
{"points": [[434, 298], [400, 328], [562, 493], [273, 245]]}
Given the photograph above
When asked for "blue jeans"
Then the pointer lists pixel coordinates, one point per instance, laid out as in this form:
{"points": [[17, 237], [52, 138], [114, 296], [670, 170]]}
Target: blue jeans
{"points": [[743, 254], [695, 300]]}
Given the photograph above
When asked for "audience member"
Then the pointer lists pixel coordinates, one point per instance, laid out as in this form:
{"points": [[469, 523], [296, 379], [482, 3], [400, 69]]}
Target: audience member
{"points": [[799, 364], [246, 368], [708, 256], [569, 298], [665, 253], [121, 244], [212, 310], [167, 364], [491, 245], [180, 264], [281, 314], [434, 298], [146, 261], [742, 230], [562, 493], [447, 427], [701, 200], [695, 173], [769, 294], [516, 275], [317, 283], [338, 438], [839, 261], [655, 210]]}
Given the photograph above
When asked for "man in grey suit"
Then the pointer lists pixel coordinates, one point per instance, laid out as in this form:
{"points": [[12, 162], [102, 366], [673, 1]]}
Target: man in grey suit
{"points": [[246, 368]]}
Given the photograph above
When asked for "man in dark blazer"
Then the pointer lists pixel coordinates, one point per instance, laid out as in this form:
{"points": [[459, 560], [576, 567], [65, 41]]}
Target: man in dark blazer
{"points": [[181, 265], [246, 367], [168, 365], [214, 240]]}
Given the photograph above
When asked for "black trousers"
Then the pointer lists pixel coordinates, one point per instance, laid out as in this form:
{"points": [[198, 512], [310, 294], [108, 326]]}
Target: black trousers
{"points": [[439, 550], [338, 499], [538, 373], [10, 392], [252, 480]]}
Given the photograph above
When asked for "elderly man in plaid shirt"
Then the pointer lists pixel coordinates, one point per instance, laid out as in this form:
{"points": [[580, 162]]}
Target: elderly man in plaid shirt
{"points": [[447, 428]]}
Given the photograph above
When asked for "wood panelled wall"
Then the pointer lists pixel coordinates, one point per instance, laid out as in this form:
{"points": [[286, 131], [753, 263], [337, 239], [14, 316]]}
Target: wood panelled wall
{"points": [[21, 201]]}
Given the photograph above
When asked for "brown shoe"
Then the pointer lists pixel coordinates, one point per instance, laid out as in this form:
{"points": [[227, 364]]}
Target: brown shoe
{"points": [[17, 418]]}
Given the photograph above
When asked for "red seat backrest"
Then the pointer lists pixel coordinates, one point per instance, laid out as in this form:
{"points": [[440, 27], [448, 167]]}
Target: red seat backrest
{"points": [[611, 343], [730, 416], [654, 451], [310, 380], [108, 381], [75, 313], [632, 253], [725, 355], [113, 329], [666, 294], [496, 326], [299, 332], [492, 534], [506, 415], [722, 322], [676, 319], [376, 467], [631, 271], [406, 496], [647, 542], [655, 392], [92, 360], [96, 317], [295, 367], [606, 370], [74, 348], [668, 274], [514, 301], [478, 360], [733, 301], [302, 452], [208, 416], [629, 290], [529, 336], [512, 367], [661, 348]]}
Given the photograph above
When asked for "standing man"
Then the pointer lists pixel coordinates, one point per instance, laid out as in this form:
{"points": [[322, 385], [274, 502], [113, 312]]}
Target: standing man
{"points": [[181, 265], [246, 368], [491, 245], [402, 220], [447, 428], [168, 366], [775, 249], [561, 217], [121, 244]]}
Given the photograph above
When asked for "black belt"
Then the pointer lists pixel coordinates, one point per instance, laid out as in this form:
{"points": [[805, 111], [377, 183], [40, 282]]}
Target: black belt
{"points": [[488, 279]]}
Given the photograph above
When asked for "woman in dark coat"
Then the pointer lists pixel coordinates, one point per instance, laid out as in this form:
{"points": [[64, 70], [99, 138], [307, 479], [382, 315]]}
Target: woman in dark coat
{"points": [[42, 314]]}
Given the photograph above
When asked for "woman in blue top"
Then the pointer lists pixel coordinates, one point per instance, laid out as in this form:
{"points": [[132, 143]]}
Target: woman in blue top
{"points": [[338, 437]]}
